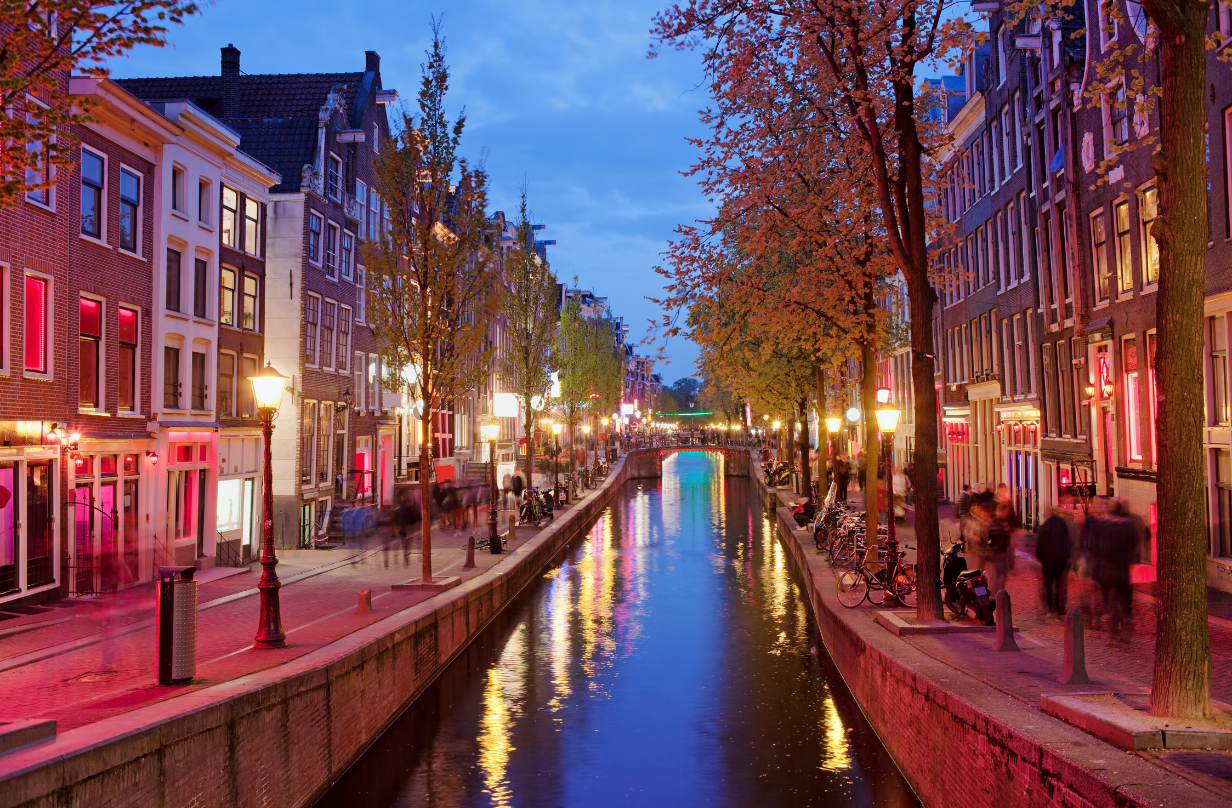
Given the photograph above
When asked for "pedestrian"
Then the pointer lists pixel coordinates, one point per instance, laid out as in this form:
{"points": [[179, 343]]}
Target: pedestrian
{"points": [[1117, 542], [1054, 546], [998, 545], [518, 486], [861, 465], [964, 501], [506, 487], [900, 496], [974, 533], [842, 475]]}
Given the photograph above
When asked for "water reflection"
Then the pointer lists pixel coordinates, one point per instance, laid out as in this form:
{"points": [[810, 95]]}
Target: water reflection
{"points": [[668, 660]]}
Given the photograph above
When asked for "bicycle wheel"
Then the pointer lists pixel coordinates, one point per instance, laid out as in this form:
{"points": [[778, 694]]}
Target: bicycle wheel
{"points": [[852, 589], [876, 592], [904, 590]]}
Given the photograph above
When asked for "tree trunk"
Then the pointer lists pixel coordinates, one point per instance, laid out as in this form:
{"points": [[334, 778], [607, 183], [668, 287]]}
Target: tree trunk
{"points": [[789, 453], [425, 488], [823, 432], [806, 469], [1182, 678], [924, 460], [528, 425], [872, 446]]}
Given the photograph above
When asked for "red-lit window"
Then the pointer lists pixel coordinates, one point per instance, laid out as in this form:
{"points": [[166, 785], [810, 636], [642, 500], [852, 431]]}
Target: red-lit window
{"points": [[36, 324], [88, 352], [126, 372], [1133, 408]]}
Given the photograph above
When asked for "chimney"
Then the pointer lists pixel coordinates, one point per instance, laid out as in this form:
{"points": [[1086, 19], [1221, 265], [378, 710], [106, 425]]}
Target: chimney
{"points": [[372, 63], [230, 82]]}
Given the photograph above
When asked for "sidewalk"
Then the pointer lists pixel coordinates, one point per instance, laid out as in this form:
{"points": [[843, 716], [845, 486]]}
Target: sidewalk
{"points": [[1122, 661], [83, 660]]}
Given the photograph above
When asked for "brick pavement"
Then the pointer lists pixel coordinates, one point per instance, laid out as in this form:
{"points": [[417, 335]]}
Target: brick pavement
{"points": [[84, 660]]}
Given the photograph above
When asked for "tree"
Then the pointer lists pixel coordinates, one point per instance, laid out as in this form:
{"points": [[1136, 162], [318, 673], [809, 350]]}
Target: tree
{"points": [[45, 41], [433, 280], [531, 316], [684, 391], [573, 355], [858, 62]]}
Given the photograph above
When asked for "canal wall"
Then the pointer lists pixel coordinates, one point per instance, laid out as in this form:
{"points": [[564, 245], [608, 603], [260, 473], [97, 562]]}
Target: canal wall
{"points": [[956, 739], [280, 737]]}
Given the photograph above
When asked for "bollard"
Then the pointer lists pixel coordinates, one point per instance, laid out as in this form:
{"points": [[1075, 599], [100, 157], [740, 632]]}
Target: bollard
{"points": [[1074, 668], [1005, 625], [470, 553], [365, 602]]}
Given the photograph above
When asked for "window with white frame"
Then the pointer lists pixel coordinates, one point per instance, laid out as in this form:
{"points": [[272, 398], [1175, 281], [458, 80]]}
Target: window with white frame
{"points": [[205, 201], [347, 254], [1099, 251], [178, 189], [226, 384], [250, 298], [1107, 25], [315, 225], [42, 174], [1148, 202], [312, 318], [333, 178], [130, 210], [328, 311], [90, 353], [227, 296], [344, 337], [361, 294], [361, 204], [374, 215], [230, 217], [331, 250], [252, 226], [93, 193], [357, 366], [1115, 116], [129, 327]]}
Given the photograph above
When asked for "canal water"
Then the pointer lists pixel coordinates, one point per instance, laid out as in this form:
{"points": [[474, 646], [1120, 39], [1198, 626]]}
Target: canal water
{"points": [[668, 660]]}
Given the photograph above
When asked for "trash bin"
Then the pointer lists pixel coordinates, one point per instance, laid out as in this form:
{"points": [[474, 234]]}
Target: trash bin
{"points": [[176, 625]]}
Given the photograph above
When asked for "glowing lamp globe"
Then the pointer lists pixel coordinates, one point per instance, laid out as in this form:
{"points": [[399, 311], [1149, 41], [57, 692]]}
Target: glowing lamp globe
{"points": [[834, 423], [557, 428], [777, 424], [585, 429], [490, 430], [853, 414], [268, 387], [887, 420]]}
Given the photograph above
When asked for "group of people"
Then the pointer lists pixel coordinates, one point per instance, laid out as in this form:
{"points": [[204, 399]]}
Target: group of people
{"points": [[988, 522], [1099, 543]]}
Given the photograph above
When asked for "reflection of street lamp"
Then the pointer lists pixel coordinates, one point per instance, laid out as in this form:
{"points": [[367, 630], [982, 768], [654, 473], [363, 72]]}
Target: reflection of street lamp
{"points": [[556, 430], [887, 421], [268, 387], [491, 431]]}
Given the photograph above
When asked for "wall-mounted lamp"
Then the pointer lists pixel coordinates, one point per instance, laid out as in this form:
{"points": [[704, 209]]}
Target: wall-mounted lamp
{"points": [[1108, 389], [152, 455]]}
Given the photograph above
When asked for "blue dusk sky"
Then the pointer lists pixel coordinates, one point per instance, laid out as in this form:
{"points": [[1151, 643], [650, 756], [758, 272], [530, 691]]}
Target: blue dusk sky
{"points": [[560, 95]]}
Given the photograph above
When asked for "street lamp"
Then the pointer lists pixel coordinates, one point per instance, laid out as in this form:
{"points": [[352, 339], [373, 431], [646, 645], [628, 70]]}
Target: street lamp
{"points": [[491, 431], [586, 441], [606, 437], [268, 387], [557, 427], [833, 424], [887, 421]]}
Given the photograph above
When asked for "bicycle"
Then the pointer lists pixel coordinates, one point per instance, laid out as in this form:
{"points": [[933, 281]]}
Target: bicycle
{"points": [[858, 584]]}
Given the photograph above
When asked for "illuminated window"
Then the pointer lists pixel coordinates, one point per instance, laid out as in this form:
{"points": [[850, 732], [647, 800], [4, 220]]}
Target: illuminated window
{"points": [[1133, 409]]}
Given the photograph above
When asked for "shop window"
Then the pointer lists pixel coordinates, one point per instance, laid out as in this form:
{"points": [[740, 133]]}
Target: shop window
{"points": [[83, 465], [107, 465], [89, 340], [126, 372], [132, 465]]}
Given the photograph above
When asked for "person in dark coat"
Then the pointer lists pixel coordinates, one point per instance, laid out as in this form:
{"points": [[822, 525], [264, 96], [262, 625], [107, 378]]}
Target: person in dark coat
{"points": [[1053, 548], [1113, 553], [964, 502], [517, 485]]}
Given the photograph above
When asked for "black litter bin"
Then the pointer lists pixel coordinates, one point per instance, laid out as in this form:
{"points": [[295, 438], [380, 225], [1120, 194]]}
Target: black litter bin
{"points": [[176, 625]]}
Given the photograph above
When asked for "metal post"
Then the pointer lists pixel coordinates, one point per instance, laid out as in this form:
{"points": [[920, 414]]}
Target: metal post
{"points": [[493, 537], [269, 631]]}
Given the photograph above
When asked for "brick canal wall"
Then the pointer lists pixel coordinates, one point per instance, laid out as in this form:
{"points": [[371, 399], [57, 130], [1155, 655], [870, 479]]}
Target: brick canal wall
{"points": [[280, 737], [957, 740]]}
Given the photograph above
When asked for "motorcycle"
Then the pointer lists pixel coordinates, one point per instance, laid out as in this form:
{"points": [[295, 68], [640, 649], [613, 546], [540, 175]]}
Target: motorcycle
{"points": [[963, 588], [535, 508]]}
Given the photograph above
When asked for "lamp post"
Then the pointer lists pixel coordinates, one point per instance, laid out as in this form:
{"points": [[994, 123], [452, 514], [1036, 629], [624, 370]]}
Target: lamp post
{"points": [[585, 444], [603, 421], [887, 421], [490, 431], [556, 430], [268, 387]]}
